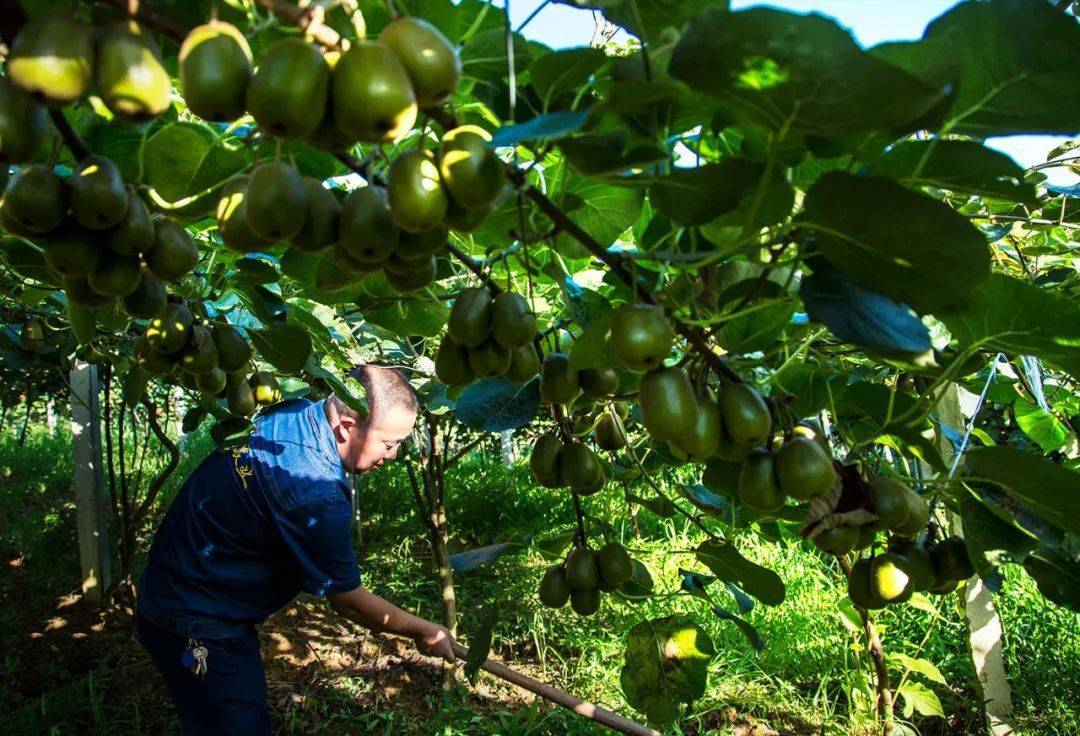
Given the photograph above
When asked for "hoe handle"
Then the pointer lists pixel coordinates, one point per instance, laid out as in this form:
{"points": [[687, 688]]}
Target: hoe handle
{"points": [[571, 702]]}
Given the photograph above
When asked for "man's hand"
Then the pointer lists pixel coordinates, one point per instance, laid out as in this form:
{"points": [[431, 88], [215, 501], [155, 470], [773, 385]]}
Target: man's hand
{"points": [[377, 614], [435, 641]]}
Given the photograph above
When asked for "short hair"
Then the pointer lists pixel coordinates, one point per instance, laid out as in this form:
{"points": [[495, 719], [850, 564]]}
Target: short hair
{"points": [[385, 387]]}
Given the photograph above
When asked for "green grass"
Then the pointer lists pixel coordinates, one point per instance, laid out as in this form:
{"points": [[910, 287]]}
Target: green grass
{"points": [[805, 680]]}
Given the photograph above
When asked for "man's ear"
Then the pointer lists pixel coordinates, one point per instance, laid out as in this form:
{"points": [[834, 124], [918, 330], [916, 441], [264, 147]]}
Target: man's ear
{"points": [[345, 426]]}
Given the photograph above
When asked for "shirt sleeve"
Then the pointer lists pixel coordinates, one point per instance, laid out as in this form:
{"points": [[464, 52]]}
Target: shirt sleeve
{"points": [[318, 537]]}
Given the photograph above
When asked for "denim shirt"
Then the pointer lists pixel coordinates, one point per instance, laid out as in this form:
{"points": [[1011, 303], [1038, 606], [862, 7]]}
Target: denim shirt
{"points": [[251, 528]]}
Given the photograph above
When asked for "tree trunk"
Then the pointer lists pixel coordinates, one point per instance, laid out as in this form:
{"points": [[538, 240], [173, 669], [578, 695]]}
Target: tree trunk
{"points": [[983, 623], [435, 488]]}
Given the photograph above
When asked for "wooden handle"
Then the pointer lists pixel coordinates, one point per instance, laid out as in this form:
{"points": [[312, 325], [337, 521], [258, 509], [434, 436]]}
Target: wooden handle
{"points": [[571, 702]]}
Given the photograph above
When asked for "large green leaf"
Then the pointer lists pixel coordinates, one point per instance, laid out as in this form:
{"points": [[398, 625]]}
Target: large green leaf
{"points": [[798, 74], [757, 330], [966, 167], [666, 665], [726, 563], [696, 196], [991, 541], [285, 346], [1012, 74], [1042, 426], [896, 242], [1050, 490], [860, 316], [183, 160], [1017, 318], [647, 19], [603, 210], [1057, 576], [918, 698], [496, 405], [808, 384], [562, 72], [423, 317]]}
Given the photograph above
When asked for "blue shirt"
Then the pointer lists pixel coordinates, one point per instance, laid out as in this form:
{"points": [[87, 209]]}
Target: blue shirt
{"points": [[251, 528]]}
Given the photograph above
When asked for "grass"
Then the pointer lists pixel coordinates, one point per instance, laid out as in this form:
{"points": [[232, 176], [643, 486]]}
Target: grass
{"points": [[87, 675]]}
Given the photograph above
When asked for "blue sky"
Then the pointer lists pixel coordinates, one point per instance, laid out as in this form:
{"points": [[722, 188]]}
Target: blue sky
{"points": [[870, 22]]}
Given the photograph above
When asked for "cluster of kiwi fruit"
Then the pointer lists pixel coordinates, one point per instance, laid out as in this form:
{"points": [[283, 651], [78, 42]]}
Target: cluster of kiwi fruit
{"points": [[573, 465], [57, 60], [371, 92], [488, 337], [98, 235], [584, 575], [911, 566], [204, 356], [399, 228]]}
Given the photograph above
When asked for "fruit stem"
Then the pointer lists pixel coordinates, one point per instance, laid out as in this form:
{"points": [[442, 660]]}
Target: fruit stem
{"points": [[475, 267], [693, 335], [71, 139]]}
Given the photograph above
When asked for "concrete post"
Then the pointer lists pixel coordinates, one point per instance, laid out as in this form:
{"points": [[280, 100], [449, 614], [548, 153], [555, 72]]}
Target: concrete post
{"points": [[90, 501]]}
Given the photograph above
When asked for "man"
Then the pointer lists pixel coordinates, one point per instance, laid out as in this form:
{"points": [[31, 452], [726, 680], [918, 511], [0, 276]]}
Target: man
{"points": [[253, 527]]}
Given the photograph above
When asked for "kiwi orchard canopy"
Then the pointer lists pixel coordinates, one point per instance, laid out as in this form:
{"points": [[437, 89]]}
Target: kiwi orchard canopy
{"points": [[193, 234]]}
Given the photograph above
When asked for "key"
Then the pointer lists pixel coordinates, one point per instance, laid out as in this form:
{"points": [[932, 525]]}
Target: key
{"points": [[200, 653]]}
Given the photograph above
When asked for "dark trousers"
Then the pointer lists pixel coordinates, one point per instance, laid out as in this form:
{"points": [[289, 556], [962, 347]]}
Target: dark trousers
{"points": [[230, 698]]}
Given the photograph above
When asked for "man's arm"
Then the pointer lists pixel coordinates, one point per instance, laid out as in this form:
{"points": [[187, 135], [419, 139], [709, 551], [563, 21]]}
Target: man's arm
{"points": [[378, 614]]}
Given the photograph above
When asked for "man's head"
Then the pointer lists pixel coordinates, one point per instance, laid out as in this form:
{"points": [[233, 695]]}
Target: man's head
{"points": [[365, 444]]}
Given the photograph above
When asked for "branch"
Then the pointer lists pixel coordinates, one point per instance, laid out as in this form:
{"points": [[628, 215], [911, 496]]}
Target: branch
{"points": [[309, 20], [174, 460], [475, 267], [149, 18], [614, 263]]}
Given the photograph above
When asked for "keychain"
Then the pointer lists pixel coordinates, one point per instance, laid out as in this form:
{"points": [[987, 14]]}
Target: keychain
{"points": [[194, 657]]}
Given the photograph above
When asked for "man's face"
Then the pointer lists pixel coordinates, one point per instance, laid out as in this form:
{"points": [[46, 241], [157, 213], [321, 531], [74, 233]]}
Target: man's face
{"points": [[371, 445]]}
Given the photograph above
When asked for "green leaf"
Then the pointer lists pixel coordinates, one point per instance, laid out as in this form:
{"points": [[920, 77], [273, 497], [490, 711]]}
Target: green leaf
{"points": [[83, 322], [896, 242], [26, 260], [474, 558], [965, 167], [726, 563], [808, 383], [647, 19], [562, 72], [590, 349], [798, 74], [603, 210], [757, 330], [924, 667], [285, 346], [351, 393], [231, 432], [666, 665], [186, 160], [496, 405], [696, 196], [918, 698], [484, 57], [135, 381], [639, 586], [255, 271], [480, 643], [193, 418], [610, 152], [751, 633], [552, 126], [659, 505], [991, 541], [553, 547], [1017, 318], [1057, 576], [1011, 77], [860, 316], [1049, 490], [1044, 429], [423, 317]]}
